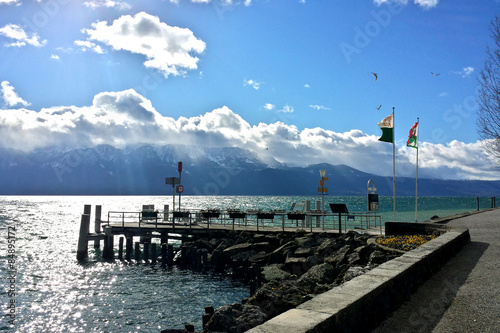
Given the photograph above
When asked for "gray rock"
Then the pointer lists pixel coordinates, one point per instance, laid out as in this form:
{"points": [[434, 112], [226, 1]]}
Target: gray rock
{"points": [[304, 251], [235, 318], [339, 256], [320, 274], [352, 272], [275, 273], [296, 265], [279, 255]]}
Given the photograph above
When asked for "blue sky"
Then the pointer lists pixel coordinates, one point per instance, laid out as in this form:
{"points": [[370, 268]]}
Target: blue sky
{"points": [[290, 80]]}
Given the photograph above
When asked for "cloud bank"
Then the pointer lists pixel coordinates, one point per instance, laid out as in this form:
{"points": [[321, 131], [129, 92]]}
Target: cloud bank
{"points": [[127, 118]]}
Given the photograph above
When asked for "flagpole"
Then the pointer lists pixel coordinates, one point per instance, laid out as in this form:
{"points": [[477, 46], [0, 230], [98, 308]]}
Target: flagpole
{"points": [[394, 161], [416, 178]]}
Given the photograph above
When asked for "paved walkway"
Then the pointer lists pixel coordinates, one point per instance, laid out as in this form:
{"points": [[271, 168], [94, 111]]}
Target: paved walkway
{"points": [[464, 296]]}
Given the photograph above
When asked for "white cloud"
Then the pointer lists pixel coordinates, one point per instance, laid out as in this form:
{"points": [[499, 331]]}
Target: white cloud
{"points": [[319, 107], [287, 109], [466, 72], [55, 57], [422, 3], [127, 118], [95, 4], [269, 106], [253, 83], [166, 48], [86, 45], [10, 97], [307, 86], [13, 31], [10, 2], [427, 3]]}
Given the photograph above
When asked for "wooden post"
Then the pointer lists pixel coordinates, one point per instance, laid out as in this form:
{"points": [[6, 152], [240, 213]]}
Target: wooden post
{"points": [[82, 250], [111, 252], [477, 203], [170, 255], [107, 252], [146, 252], [137, 252], [128, 247], [209, 312], [120, 248], [87, 209], [97, 224], [163, 254]]}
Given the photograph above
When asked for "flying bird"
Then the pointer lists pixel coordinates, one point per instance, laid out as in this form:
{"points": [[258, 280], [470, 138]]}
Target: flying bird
{"points": [[379, 107], [376, 76], [435, 74]]}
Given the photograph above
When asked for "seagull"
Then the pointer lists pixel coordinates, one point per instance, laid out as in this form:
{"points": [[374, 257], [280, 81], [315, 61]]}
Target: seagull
{"points": [[376, 76], [379, 107], [435, 74]]}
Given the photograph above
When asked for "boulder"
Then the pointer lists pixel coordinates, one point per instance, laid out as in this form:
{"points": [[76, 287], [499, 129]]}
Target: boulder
{"points": [[235, 317], [319, 274], [275, 272], [279, 296], [352, 272], [339, 256], [329, 246], [279, 255], [296, 265], [378, 257]]}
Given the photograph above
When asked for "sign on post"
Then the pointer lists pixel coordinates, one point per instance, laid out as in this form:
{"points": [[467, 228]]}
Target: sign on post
{"points": [[172, 181]]}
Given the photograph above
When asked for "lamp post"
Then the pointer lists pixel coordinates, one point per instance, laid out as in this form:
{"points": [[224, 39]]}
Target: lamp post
{"points": [[322, 189]]}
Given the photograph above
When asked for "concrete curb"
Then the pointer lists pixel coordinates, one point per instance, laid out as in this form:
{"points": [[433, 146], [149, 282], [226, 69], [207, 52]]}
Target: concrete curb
{"points": [[365, 301]]}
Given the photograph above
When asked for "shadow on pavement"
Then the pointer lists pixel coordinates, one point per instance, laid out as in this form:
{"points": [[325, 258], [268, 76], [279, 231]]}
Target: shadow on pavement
{"points": [[425, 308]]}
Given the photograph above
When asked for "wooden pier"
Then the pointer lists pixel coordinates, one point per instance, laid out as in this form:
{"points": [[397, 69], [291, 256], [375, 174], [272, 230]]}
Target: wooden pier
{"points": [[149, 224]]}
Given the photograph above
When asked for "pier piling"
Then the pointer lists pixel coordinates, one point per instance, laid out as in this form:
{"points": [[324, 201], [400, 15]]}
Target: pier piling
{"points": [[128, 248], [120, 248], [97, 224], [82, 250], [146, 252], [163, 255], [170, 255], [137, 252]]}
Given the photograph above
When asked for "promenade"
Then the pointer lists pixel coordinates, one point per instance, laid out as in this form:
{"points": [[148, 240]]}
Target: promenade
{"points": [[464, 296]]}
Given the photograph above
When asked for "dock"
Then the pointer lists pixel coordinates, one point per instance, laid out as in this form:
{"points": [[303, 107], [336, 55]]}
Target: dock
{"points": [[166, 225]]}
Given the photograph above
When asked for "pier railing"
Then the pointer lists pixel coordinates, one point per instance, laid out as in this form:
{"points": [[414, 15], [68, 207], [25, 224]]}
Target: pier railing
{"points": [[277, 219]]}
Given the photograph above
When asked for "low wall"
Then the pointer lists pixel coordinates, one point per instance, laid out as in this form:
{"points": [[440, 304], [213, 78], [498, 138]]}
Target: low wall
{"points": [[365, 301]]}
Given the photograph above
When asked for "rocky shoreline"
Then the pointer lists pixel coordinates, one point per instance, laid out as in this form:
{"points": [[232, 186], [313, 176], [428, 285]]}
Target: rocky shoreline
{"points": [[283, 270]]}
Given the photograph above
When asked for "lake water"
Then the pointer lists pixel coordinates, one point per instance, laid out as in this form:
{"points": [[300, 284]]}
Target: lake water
{"points": [[49, 291]]}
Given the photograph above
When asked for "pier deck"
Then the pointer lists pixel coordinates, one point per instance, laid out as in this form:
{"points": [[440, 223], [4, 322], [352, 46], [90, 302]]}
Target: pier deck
{"points": [[166, 225]]}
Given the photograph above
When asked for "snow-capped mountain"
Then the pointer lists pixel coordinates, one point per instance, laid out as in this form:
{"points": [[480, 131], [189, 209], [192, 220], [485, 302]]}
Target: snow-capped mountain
{"points": [[142, 169]]}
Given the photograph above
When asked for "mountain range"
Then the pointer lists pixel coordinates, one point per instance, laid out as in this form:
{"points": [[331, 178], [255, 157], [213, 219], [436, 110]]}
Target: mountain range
{"points": [[142, 170]]}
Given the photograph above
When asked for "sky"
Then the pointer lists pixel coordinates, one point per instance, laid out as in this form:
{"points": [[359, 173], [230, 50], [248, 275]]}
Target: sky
{"points": [[298, 81]]}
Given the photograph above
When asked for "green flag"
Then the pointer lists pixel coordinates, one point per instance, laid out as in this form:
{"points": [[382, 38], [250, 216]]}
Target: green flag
{"points": [[387, 127]]}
